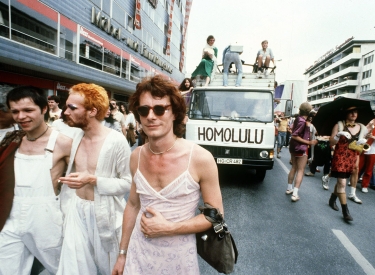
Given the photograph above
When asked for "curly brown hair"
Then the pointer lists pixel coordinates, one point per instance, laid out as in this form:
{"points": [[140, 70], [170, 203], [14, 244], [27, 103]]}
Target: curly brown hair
{"points": [[160, 87]]}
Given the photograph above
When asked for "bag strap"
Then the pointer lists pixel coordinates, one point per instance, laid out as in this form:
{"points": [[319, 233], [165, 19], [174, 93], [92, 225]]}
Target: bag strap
{"points": [[214, 216]]}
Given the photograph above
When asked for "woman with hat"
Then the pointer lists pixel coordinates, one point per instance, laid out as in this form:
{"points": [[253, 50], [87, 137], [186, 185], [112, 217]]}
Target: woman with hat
{"points": [[298, 150], [345, 160]]}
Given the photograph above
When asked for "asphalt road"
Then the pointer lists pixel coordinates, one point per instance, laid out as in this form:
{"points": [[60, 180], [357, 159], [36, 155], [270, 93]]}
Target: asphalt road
{"points": [[277, 236]]}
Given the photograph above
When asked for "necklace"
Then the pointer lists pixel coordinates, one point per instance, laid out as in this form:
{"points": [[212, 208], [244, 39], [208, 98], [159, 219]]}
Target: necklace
{"points": [[34, 139], [159, 153]]}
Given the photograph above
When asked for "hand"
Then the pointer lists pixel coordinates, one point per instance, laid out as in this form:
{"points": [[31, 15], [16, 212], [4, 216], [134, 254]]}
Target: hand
{"points": [[118, 269], [78, 179], [361, 141], [314, 142], [153, 224]]}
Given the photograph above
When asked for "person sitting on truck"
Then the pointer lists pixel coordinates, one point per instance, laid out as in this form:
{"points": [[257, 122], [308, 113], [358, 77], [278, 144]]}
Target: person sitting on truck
{"points": [[208, 62], [228, 58], [229, 111], [264, 56]]}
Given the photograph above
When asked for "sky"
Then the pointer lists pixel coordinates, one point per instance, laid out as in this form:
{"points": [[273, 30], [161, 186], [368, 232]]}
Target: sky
{"points": [[298, 31]]}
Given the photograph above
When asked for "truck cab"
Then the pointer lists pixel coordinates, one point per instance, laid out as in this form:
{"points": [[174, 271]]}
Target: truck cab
{"points": [[235, 123]]}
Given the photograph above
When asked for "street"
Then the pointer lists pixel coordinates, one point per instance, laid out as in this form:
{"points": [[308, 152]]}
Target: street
{"points": [[277, 236]]}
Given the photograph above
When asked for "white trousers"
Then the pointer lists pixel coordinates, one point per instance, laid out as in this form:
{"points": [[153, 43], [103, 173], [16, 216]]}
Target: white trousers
{"points": [[82, 251], [33, 228]]}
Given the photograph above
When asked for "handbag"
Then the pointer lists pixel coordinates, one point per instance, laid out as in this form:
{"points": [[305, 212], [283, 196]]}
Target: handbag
{"points": [[216, 245]]}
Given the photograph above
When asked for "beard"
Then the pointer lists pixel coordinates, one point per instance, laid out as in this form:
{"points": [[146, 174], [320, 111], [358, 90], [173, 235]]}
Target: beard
{"points": [[80, 123]]}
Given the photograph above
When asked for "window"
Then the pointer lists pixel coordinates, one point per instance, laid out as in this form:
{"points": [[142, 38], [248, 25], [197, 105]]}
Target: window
{"points": [[98, 3], [4, 20], [67, 43], [107, 6], [130, 23]]}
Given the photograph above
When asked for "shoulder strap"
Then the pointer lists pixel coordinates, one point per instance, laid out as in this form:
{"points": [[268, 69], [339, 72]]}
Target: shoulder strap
{"points": [[139, 156], [191, 153], [52, 141]]}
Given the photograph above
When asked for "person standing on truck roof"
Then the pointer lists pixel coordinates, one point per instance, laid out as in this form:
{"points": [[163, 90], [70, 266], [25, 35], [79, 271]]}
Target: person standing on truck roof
{"points": [[298, 150], [208, 62], [228, 58], [264, 56]]}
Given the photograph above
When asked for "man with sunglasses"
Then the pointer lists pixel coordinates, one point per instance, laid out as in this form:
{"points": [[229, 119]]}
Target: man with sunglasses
{"points": [[97, 180], [31, 162], [169, 174]]}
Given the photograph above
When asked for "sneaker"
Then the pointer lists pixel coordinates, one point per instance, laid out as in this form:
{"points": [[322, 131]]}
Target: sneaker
{"points": [[309, 174], [259, 74], [288, 192], [355, 199], [266, 73], [325, 182], [364, 190], [294, 198], [360, 180], [278, 156]]}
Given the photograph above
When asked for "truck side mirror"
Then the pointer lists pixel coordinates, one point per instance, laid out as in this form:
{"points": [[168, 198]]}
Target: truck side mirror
{"points": [[288, 107]]}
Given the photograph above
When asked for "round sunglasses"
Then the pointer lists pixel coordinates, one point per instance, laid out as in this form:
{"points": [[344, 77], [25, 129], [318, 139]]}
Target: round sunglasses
{"points": [[158, 110]]}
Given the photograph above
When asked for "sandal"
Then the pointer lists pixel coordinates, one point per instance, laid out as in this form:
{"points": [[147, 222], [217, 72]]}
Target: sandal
{"points": [[295, 198]]}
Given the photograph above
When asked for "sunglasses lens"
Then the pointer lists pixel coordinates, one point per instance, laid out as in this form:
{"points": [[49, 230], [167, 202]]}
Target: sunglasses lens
{"points": [[159, 110], [143, 110]]}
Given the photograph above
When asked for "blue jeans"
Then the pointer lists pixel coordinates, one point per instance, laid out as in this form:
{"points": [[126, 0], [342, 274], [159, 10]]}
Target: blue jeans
{"points": [[281, 139], [229, 58]]}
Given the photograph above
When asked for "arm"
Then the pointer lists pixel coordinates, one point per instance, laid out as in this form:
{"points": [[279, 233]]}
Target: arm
{"points": [[332, 140], [130, 215], [204, 171]]}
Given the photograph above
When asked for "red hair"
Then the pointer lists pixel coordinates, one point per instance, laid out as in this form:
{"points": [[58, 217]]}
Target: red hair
{"points": [[95, 97]]}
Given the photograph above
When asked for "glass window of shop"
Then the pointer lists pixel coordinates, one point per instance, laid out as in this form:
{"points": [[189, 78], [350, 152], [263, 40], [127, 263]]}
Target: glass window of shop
{"points": [[112, 62], [135, 73], [125, 68], [67, 43], [35, 30], [90, 54], [4, 18]]}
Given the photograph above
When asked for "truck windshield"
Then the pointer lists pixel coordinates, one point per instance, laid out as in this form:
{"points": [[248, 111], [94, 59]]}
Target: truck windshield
{"points": [[252, 106]]}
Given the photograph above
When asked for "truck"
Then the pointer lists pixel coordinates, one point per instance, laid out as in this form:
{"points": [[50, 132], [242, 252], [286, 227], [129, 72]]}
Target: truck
{"points": [[235, 124]]}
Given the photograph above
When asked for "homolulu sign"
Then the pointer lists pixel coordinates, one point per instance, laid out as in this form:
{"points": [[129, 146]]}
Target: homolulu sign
{"points": [[233, 135]]}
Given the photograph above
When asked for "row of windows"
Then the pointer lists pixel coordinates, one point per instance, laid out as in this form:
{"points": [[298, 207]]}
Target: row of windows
{"points": [[32, 32], [366, 74], [365, 88], [368, 59]]}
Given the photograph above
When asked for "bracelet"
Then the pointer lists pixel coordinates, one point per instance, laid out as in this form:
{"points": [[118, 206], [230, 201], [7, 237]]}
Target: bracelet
{"points": [[122, 251]]}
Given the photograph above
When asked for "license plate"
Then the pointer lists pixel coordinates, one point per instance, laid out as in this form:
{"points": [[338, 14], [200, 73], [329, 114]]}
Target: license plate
{"points": [[228, 161]]}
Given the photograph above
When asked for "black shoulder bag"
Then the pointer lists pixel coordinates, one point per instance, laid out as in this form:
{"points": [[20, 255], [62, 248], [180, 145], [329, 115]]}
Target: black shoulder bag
{"points": [[216, 245]]}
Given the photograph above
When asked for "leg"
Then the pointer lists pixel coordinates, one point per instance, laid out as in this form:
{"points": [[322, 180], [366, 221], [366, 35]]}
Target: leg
{"points": [[260, 62], [226, 69], [353, 183], [207, 81], [267, 61], [369, 166], [341, 184], [238, 64], [301, 162], [15, 258]]}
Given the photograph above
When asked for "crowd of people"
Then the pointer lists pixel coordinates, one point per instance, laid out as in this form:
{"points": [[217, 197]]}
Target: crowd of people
{"points": [[334, 153], [64, 184]]}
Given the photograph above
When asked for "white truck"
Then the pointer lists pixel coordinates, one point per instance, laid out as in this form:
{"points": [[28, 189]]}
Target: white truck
{"points": [[235, 123]]}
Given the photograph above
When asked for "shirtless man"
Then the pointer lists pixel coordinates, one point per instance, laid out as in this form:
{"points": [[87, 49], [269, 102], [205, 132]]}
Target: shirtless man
{"points": [[54, 110], [31, 162], [99, 179], [169, 174]]}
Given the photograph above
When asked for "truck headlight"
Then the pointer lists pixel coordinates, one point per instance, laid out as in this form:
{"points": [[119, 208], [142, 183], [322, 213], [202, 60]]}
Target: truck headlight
{"points": [[263, 154]]}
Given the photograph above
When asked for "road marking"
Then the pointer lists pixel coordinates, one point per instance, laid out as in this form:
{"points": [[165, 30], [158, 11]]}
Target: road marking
{"points": [[358, 257], [283, 166]]}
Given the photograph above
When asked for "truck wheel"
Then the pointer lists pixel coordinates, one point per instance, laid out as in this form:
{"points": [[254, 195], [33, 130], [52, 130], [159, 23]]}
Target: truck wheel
{"points": [[260, 174]]}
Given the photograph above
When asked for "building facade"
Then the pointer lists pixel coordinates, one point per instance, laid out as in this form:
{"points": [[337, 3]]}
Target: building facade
{"points": [[114, 43], [346, 71]]}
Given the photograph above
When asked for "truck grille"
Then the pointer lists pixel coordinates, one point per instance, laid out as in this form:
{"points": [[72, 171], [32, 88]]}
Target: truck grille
{"points": [[243, 153]]}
